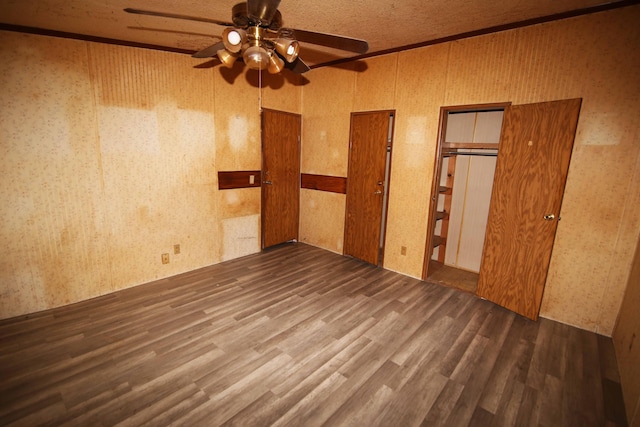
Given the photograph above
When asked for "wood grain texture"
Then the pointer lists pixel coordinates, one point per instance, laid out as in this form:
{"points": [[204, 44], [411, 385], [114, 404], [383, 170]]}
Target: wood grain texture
{"points": [[535, 150], [228, 180], [281, 176], [333, 184], [447, 195], [298, 335], [365, 184]]}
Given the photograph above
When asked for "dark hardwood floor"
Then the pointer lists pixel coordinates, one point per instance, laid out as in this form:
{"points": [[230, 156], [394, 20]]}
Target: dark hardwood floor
{"points": [[298, 336]]}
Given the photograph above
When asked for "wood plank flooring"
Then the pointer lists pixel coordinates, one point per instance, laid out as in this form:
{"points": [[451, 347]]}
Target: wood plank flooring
{"points": [[298, 336]]}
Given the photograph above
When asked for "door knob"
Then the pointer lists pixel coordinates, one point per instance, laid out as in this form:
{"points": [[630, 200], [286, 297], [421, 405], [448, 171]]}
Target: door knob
{"points": [[549, 217], [267, 182], [377, 192]]}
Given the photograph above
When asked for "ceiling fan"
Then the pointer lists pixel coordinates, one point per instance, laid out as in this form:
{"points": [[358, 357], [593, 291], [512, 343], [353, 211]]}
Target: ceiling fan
{"points": [[256, 35]]}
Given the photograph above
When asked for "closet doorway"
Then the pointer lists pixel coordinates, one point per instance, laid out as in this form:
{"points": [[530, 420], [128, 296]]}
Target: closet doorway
{"points": [[467, 151], [521, 216]]}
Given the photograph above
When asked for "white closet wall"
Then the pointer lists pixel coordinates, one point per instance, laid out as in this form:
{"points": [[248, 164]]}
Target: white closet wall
{"points": [[473, 181]]}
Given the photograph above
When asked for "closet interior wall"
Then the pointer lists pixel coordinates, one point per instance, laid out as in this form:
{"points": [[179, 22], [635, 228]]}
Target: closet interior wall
{"points": [[468, 161]]}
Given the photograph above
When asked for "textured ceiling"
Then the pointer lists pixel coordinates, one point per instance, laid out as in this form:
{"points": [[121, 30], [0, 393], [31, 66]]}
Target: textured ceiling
{"points": [[386, 25]]}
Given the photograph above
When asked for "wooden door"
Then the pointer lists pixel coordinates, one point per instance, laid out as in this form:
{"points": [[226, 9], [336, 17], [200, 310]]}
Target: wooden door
{"points": [[280, 177], [535, 149], [365, 184]]}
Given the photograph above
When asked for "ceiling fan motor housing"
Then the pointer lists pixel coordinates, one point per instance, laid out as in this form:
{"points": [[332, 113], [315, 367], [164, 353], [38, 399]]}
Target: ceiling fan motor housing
{"points": [[243, 18]]}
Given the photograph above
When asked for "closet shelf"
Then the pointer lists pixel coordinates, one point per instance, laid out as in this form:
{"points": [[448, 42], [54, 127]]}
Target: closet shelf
{"points": [[441, 215], [470, 145], [437, 241]]}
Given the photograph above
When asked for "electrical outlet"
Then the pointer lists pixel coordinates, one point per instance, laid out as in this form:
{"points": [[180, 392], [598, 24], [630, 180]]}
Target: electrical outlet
{"points": [[165, 258], [252, 179], [176, 249], [403, 250]]}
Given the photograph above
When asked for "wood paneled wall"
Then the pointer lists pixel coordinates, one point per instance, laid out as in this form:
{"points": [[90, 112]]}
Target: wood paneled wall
{"points": [[591, 57], [114, 154], [108, 142], [626, 341], [324, 152]]}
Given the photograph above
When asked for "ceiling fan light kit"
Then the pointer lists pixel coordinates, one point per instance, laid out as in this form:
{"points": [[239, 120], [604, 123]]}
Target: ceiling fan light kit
{"points": [[256, 57], [257, 35], [227, 58], [276, 64], [287, 48], [258, 50], [233, 39]]}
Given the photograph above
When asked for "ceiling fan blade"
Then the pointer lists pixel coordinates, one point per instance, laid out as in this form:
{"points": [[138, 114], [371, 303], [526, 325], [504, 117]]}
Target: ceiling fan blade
{"points": [[331, 40], [177, 16], [209, 52], [208, 64], [297, 66], [262, 11]]}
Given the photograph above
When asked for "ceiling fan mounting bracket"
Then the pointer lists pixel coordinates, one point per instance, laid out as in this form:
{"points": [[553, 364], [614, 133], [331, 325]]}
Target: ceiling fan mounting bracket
{"points": [[241, 18]]}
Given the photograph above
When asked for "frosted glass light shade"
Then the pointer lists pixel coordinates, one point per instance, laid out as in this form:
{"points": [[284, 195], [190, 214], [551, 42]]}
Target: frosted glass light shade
{"points": [[256, 58], [233, 39]]}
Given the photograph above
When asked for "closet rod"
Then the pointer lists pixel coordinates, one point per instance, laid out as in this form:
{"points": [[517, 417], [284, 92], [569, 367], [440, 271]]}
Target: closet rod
{"points": [[464, 153]]}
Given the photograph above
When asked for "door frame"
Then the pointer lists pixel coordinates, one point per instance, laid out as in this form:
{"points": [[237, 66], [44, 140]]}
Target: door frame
{"points": [[437, 170], [387, 185]]}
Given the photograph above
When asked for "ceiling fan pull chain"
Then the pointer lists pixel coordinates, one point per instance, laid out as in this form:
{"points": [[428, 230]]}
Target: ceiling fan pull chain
{"points": [[260, 91]]}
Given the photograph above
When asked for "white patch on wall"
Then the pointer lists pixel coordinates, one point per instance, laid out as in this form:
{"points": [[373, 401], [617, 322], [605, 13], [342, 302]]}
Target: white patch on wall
{"points": [[195, 132], [600, 129], [415, 138], [126, 130], [311, 203], [416, 129], [240, 236], [230, 197], [238, 132]]}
